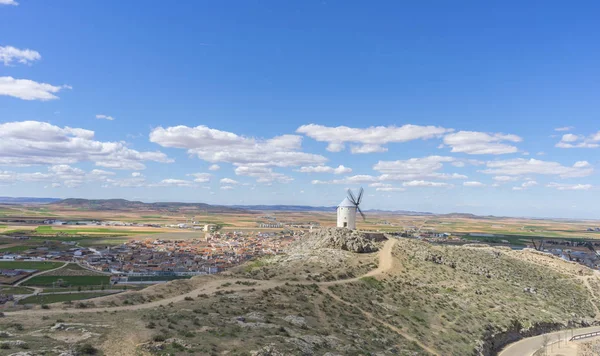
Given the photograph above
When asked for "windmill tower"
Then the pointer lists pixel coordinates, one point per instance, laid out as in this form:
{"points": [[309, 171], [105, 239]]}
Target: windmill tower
{"points": [[346, 210]]}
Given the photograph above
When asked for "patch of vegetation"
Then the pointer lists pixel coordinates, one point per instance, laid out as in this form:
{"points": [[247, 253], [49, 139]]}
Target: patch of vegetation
{"points": [[56, 298], [372, 282], [44, 280], [40, 266]]}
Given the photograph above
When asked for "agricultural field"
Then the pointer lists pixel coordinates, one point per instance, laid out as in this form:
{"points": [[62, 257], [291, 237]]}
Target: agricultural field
{"points": [[44, 280], [15, 290], [40, 266], [56, 298]]}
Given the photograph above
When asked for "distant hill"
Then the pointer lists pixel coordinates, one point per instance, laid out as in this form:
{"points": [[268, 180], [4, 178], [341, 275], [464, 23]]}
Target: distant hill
{"points": [[27, 200], [285, 207], [123, 204]]}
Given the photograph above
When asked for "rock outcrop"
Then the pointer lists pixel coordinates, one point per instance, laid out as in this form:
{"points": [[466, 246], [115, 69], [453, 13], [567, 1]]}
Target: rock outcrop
{"points": [[340, 239]]}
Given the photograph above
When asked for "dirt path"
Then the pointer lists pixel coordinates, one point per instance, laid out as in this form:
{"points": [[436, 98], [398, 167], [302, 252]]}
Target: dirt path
{"points": [[374, 319], [385, 264]]}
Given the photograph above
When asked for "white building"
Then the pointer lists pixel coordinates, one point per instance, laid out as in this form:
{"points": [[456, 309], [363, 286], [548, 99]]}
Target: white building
{"points": [[346, 214]]}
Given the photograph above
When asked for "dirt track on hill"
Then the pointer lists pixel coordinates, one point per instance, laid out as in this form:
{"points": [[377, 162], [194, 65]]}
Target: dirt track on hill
{"points": [[386, 264]]}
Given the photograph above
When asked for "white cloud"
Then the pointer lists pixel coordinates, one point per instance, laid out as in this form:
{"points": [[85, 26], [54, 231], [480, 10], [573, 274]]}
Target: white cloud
{"points": [[579, 141], [201, 177], [221, 146], [473, 184], [529, 183], [227, 187], [136, 174], [8, 2], [416, 169], [371, 138], [214, 167], [61, 174], [565, 128], [104, 117], [9, 54], [357, 179], [521, 166], [570, 186], [228, 181], [380, 185], [505, 178], [422, 183], [262, 174], [325, 169], [174, 183], [473, 142], [368, 148], [390, 189], [34, 142], [28, 89]]}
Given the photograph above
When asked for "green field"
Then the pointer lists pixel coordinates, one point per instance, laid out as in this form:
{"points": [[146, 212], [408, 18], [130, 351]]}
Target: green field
{"points": [[156, 278], [15, 248], [68, 280], [40, 266], [55, 298], [15, 290]]}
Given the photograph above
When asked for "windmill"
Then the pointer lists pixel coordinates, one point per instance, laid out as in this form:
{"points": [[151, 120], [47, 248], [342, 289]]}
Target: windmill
{"points": [[346, 211]]}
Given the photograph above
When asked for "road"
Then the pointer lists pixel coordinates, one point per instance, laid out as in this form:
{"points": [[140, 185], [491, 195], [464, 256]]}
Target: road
{"points": [[528, 346]]}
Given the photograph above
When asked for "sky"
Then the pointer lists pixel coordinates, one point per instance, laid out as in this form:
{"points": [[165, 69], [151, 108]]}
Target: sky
{"points": [[475, 107]]}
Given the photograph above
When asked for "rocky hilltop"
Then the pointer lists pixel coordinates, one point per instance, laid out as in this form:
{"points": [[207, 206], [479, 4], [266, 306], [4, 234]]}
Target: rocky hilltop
{"points": [[339, 239]]}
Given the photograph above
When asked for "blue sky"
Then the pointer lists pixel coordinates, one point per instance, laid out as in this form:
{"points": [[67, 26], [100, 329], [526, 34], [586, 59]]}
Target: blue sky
{"points": [[430, 106]]}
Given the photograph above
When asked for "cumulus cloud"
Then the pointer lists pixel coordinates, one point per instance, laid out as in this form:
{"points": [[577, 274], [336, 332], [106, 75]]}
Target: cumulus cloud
{"points": [[390, 189], [473, 184], [357, 179], [61, 174], [169, 182], [371, 138], [505, 178], [227, 187], [228, 181], [423, 183], [201, 177], [28, 89], [104, 117], [416, 169], [565, 128], [10, 54], [221, 146], [214, 167], [579, 141], [473, 142], [521, 166], [262, 174], [34, 142], [325, 169], [560, 186]]}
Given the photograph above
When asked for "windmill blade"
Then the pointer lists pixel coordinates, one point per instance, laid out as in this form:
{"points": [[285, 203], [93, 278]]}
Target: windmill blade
{"points": [[360, 195], [352, 197], [361, 213]]}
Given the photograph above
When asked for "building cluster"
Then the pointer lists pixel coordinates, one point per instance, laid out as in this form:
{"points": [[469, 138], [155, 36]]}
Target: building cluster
{"points": [[213, 253]]}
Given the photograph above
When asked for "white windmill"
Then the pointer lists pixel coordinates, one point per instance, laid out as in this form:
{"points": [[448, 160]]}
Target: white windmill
{"points": [[346, 211]]}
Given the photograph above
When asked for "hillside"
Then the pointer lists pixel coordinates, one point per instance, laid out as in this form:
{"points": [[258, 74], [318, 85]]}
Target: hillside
{"points": [[406, 298], [123, 204]]}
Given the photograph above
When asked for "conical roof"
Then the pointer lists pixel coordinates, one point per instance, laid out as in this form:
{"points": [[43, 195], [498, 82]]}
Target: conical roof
{"points": [[346, 203]]}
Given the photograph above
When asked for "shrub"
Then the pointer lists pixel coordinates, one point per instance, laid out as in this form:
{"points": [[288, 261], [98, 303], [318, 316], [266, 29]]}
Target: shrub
{"points": [[86, 349]]}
